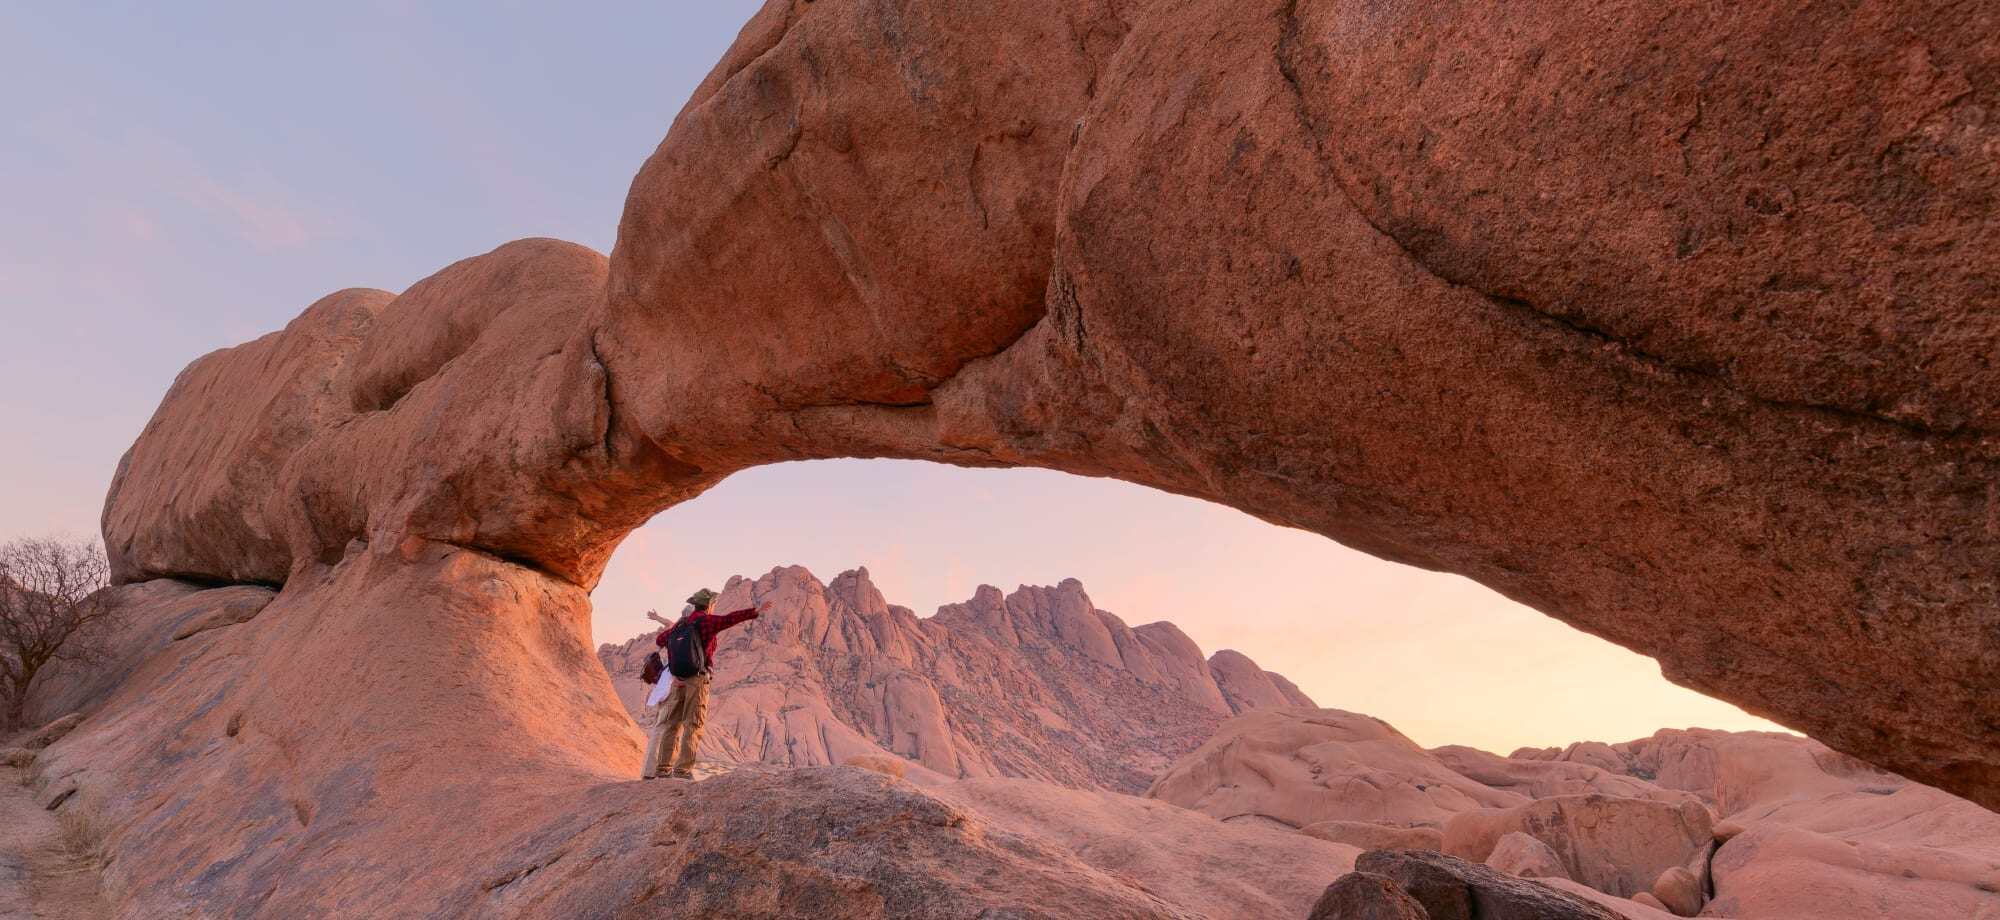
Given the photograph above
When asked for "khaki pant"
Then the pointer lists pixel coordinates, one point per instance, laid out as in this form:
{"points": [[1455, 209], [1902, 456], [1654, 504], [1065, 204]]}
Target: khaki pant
{"points": [[677, 727]]}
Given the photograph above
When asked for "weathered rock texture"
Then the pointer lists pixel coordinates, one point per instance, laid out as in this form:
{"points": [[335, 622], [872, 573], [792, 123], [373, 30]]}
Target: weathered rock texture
{"points": [[1366, 896], [1806, 831], [1453, 889], [1301, 767], [1672, 320], [1037, 684], [269, 816], [1616, 845], [1524, 856]]}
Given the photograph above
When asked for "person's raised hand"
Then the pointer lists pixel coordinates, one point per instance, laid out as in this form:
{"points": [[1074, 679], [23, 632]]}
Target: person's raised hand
{"points": [[763, 608]]}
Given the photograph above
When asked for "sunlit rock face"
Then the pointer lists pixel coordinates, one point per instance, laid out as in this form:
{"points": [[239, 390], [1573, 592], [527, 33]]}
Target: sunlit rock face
{"points": [[1037, 684], [1749, 825], [1674, 321]]}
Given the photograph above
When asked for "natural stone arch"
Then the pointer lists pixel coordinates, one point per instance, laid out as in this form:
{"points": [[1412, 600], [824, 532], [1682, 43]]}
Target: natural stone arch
{"points": [[1386, 274]]}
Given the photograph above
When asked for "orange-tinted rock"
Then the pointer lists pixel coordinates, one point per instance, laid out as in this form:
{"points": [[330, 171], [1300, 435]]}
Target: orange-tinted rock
{"points": [[226, 789], [1869, 851], [1369, 835], [892, 767], [1671, 320], [1615, 845], [1520, 855], [1037, 684], [1741, 772], [1238, 259], [1460, 393], [1453, 889], [1300, 767], [1641, 906], [1539, 778], [1366, 896], [1679, 890], [191, 498], [1204, 867]]}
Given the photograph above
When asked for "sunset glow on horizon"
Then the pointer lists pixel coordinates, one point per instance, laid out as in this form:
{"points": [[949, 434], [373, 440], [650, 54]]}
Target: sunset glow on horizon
{"points": [[1442, 658]]}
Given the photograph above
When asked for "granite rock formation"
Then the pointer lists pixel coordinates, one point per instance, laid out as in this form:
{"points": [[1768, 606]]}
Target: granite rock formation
{"points": [[1633, 827], [1036, 684], [548, 829], [1673, 321], [1453, 889], [1693, 357]]}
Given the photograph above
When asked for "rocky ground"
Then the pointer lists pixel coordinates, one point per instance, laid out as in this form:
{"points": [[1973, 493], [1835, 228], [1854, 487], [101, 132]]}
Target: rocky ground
{"points": [[1747, 825], [49, 862], [546, 819]]}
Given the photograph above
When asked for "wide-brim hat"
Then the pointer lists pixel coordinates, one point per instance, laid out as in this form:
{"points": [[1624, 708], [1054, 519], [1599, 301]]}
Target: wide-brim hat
{"points": [[701, 599]]}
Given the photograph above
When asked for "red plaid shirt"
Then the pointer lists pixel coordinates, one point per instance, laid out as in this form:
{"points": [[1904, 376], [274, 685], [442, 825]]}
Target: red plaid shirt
{"points": [[710, 625]]}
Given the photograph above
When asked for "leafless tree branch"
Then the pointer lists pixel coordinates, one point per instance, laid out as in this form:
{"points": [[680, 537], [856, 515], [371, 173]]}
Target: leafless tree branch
{"points": [[51, 610]]}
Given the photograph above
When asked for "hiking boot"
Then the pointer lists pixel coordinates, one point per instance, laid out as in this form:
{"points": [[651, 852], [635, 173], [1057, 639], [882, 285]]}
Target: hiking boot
{"points": [[680, 774]]}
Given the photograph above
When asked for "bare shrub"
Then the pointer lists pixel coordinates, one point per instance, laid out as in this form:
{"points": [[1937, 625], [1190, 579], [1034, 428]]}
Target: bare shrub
{"points": [[82, 831], [50, 611]]}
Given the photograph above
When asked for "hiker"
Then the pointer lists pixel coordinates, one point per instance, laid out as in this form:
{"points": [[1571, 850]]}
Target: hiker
{"points": [[687, 652]]}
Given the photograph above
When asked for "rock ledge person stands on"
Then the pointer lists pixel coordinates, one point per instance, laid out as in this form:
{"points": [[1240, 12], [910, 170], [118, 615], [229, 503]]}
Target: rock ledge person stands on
{"points": [[683, 710]]}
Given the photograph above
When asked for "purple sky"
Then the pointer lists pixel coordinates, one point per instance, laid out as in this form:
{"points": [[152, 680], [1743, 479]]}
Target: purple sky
{"points": [[182, 177]]}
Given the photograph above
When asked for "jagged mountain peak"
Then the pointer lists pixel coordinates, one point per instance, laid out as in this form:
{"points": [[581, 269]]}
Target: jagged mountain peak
{"points": [[1036, 683]]}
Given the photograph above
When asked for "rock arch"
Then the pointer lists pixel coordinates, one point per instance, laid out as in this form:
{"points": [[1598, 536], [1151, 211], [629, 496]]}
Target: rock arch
{"points": [[1672, 322]]}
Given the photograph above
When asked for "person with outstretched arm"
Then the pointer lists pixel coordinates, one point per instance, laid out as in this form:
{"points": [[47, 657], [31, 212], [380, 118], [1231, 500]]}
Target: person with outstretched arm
{"points": [[687, 656]]}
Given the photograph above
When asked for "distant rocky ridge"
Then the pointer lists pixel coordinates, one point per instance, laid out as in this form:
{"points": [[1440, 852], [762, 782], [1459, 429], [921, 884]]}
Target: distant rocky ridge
{"points": [[1038, 684]]}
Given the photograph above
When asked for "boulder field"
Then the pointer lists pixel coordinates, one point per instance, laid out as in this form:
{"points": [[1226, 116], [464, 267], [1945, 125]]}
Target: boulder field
{"points": [[1744, 825], [1673, 321]]}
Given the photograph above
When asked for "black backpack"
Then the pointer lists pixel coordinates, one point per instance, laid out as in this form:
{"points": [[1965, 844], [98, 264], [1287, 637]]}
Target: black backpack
{"points": [[686, 656], [650, 673]]}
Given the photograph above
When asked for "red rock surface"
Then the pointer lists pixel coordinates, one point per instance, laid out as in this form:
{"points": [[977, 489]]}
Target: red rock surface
{"points": [[1453, 889], [1646, 355], [1299, 767], [1616, 845], [1366, 896], [1671, 320], [1037, 684], [1805, 831], [216, 791]]}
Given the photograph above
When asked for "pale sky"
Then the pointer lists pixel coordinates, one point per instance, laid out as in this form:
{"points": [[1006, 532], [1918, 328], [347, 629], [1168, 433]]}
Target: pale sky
{"points": [[183, 177]]}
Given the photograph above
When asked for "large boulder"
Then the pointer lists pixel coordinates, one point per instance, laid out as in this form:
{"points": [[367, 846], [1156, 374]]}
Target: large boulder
{"points": [[1678, 889], [1746, 773], [1520, 855], [1911, 852], [1616, 845], [1301, 767], [1366, 896], [1453, 889]]}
